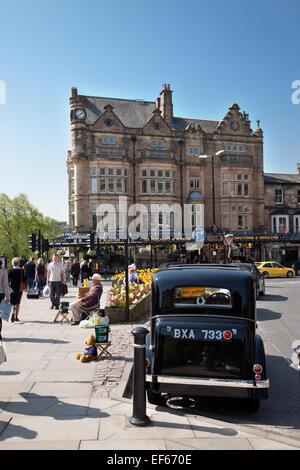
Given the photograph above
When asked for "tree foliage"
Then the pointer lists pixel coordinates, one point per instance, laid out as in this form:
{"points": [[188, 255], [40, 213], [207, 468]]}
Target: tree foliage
{"points": [[18, 219]]}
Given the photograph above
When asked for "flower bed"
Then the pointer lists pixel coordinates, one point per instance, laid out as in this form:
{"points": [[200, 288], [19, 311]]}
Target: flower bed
{"points": [[139, 297], [145, 275], [117, 297]]}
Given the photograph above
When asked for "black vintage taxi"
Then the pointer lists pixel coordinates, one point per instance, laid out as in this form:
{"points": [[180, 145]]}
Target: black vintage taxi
{"points": [[203, 338]]}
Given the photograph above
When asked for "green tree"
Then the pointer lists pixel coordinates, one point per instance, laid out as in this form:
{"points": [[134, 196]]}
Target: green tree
{"points": [[18, 219]]}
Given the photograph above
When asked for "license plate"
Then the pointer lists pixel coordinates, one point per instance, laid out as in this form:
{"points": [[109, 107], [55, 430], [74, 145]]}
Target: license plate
{"points": [[202, 334]]}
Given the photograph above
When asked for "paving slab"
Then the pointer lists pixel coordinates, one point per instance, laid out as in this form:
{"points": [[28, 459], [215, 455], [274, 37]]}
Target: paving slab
{"points": [[48, 429], [62, 375], [40, 445], [62, 390], [231, 443], [123, 445]]}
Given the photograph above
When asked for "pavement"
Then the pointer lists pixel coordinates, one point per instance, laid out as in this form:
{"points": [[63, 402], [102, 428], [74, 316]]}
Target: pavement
{"points": [[51, 401]]}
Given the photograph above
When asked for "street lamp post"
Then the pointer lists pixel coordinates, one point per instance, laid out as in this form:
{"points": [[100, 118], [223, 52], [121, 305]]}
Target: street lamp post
{"points": [[126, 277], [213, 227], [213, 184]]}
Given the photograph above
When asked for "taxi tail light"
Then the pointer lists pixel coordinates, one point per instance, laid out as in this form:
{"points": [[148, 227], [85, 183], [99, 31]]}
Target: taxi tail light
{"points": [[257, 368], [227, 334], [147, 363]]}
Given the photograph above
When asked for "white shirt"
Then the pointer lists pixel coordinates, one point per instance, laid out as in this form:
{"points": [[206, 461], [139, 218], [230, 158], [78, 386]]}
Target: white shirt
{"points": [[56, 272]]}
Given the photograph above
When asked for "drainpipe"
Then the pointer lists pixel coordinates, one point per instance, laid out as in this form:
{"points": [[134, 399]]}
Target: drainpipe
{"points": [[180, 141], [133, 138]]}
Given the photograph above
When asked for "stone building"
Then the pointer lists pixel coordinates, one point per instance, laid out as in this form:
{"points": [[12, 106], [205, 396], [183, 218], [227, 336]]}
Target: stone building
{"points": [[282, 214], [142, 150]]}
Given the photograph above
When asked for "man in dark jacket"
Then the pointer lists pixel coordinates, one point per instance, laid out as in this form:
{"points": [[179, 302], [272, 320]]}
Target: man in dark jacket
{"points": [[82, 307], [29, 269], [75, 272]]}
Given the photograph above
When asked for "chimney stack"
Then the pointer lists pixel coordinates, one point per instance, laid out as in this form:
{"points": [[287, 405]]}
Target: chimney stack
{"points": [[166, 105]]}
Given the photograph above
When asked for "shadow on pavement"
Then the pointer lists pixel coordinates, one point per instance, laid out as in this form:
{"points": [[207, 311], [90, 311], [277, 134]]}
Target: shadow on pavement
{"points": [[272, 298], [16, 431], [35, 340], [40, 405], [194, 427], [264, 314]]}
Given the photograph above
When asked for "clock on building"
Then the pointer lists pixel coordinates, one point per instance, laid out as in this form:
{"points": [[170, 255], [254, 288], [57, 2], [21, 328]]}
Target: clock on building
{"points": [[80, 114], [235, 126]]}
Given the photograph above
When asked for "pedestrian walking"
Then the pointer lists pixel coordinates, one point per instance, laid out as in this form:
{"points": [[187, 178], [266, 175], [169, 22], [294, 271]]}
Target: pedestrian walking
{"points": [[15, 279], [75, 271], [84, 271], [67, 266], [55, 276], [29, 269], [40, 275], [4, 290]]}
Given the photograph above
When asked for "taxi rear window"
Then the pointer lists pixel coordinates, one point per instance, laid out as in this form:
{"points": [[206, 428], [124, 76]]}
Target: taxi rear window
{"points": [[202, 296]]}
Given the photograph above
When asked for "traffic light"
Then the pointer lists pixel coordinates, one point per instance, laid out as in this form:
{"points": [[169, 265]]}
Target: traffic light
{"points": [[92, 240], [32, 242], [45, 245]]}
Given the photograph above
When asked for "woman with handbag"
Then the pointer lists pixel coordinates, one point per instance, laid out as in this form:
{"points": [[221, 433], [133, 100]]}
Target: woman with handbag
{"points": [[16, 280]]}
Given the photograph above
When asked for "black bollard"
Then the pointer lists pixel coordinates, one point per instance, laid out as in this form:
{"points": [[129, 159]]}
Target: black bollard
{"points": [[139, 417]]}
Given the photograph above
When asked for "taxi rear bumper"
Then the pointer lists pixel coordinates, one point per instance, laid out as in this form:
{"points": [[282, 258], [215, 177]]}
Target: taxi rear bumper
{"points": [[208, 386]]}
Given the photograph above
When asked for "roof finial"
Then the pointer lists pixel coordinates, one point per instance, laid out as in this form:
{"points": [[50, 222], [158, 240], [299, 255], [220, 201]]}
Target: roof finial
{"points": [[258, 123]]}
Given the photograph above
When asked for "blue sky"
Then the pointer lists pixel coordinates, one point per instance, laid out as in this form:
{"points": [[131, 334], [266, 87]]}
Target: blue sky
{"points": [[212, 53]]}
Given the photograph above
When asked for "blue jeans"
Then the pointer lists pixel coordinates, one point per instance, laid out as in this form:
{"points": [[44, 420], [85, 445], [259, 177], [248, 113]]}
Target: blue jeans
{"points": [[30, 282], [41, 282]]}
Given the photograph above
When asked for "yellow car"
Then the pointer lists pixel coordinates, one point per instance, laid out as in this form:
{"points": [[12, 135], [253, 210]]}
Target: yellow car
{"points": [[274, 269]]}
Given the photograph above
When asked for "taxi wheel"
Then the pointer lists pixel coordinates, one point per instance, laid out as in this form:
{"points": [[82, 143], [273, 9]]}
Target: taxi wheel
{"points": [[155, 398], [253, 404], [265, 275], [289, 274]]}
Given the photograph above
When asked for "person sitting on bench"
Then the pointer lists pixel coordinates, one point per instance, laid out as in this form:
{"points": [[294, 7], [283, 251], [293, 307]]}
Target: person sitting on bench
{"points": [[82, 307]]}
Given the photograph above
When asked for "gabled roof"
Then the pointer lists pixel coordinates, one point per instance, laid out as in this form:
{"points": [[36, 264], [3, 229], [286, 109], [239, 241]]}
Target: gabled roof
{"points": [[179, 124], [135, 113], [277, 178], [132, 113]]}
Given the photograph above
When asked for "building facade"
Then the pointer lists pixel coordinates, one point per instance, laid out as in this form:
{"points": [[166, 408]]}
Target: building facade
{"points": [[141, 150], [282, 215]]}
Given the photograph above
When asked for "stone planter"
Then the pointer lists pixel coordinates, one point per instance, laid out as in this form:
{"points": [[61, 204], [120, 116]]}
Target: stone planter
{"points": [[118, 315]]}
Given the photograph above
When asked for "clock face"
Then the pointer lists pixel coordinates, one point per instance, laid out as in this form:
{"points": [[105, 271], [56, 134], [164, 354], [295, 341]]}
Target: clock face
{"points": [[80, 114], [235, 126]]}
